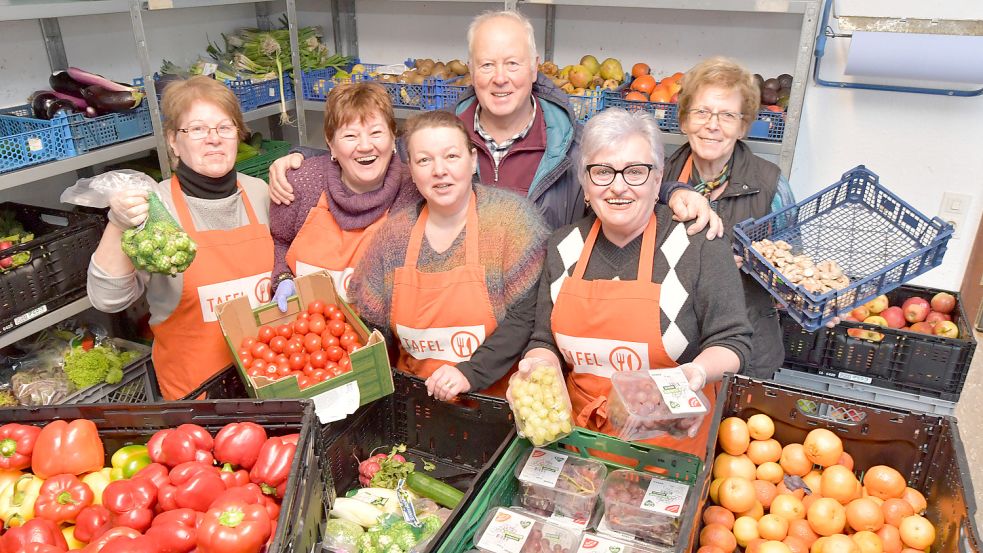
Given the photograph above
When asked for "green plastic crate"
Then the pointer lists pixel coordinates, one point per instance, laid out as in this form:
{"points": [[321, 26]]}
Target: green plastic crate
{"points": [[501, 485], [259, 166]]}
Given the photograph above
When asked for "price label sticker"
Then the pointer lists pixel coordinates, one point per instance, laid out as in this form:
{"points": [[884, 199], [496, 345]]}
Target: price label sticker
{"points": [[209, 68], [543, 467], [34, 144], [506, 533], [676, 394], [665, 497]]}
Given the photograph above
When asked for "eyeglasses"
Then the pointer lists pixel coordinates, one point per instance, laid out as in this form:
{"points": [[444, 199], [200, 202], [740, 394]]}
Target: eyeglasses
{"points": [[724, 118], [199, 132], [635, 174]]}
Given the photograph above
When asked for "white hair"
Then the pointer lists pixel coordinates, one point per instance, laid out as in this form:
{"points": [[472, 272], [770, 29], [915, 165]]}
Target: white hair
{"points": [[516, 16], [611, 128]]}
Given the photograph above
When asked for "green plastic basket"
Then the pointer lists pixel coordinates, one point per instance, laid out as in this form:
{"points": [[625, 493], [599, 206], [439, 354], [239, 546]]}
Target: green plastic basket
{"points": [[501, 485], [259, 166]]}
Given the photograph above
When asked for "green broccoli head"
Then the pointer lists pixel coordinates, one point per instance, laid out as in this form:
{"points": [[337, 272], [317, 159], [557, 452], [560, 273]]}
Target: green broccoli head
{"points": [[87, 368]]}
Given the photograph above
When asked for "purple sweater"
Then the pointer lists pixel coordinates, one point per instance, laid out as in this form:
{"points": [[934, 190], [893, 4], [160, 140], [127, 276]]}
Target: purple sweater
{"points": [[350, 210]]}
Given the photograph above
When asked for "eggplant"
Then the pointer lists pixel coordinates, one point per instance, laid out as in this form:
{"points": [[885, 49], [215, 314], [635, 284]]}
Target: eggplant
{"points": [[80, 104], [87, 79], [61, 107], [40, 101], [62, 82], [105, 100]]}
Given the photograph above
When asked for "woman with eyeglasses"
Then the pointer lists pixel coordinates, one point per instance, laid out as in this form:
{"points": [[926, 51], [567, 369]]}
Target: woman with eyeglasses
{"points": [[626, 288], [717, 104], [224, 212]]}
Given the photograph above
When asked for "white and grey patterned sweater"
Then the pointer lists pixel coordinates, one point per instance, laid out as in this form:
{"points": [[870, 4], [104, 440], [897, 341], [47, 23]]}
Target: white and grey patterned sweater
{"points": [[701, 300]]}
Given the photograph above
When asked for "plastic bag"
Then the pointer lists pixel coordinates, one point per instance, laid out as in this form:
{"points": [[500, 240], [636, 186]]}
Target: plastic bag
{"points": [[41, 386], [96, 191], [159, 245]]}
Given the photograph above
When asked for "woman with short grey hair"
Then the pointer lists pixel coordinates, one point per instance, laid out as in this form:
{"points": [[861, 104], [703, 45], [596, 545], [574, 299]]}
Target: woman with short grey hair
{"points": [[626, 288]]}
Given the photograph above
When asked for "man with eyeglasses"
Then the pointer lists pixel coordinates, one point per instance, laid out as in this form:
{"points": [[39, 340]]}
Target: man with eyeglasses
{"points": [[717, 105]]}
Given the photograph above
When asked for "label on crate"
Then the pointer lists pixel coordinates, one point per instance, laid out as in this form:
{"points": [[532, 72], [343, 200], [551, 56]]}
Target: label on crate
{"points": [[272, 91], [338, 403], [854, 378], [674, 387], [506, 533], [32, 314], [256, 288], [665, 497], [34, 144], [591, 543], [543, 467]]}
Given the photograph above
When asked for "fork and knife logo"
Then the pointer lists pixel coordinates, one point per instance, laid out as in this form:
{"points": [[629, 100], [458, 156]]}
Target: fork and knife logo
{"points": [[464, 343], [623, 358]]}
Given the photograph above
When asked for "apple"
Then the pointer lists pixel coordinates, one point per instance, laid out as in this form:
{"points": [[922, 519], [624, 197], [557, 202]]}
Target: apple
{"points": [[935, 317], [6, 262], [861, 312], [922, 328], [943, 302], [894, 316], [850, 318], [876, 320], [947, 329], [878, 304], [916, 309]]}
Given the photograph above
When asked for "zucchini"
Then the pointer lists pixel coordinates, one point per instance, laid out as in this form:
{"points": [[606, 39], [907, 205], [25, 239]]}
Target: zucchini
{"points": [[426, 486]]}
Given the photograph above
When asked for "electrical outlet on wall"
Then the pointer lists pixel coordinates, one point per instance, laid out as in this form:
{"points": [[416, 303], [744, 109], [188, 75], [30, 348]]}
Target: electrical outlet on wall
{"points": [[954, 209]]}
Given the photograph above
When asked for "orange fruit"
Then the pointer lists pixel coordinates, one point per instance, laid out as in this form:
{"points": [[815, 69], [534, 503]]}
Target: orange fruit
{"points": [[754, 546], [773, 546], [840, 484], [765, 492], [846, 460], [868, 542], [808, 500], [733, 434], [677, 76], [733, 465], [788, 506], [719, 515], [640, 69], [745, 530], [711, 549], [839, 543], [826, 516], [661, 94], [794, 460], [755, 512], [719, 536], [770, 472], [764, 451], [823, 447], [715, 489], [737, 494], [817, 546], [915, 499], [799, 528], [760, 426], [814, 480], [645, 84], [917, 532], [773, 527], [864, 514], [783, 490], [895, 510], [884, 482], [636, 96], [795, 544], [890, 539]]}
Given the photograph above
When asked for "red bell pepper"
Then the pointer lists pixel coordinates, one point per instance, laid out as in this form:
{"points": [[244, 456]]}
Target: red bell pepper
{"points": [[62, 497], [131, 502], [123, 544], [233, 478], [193, 486], [36, 530], [235, 528], [40, 548], [186, 443], [92, 522], [239, 443], [251, 494], [67, 448], [175, 531], [272, 468], [101, 541], [16, 445], [156, 473]]}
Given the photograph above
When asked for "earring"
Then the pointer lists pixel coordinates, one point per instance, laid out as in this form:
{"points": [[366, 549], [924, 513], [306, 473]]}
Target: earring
{"points": [[394, 149], [586, 201], [333, 158]]}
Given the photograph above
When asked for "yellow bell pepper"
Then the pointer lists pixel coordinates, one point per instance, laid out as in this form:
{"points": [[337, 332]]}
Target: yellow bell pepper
{"points": [[17, 500], [8, 476], [69, 533], [97, 482]]}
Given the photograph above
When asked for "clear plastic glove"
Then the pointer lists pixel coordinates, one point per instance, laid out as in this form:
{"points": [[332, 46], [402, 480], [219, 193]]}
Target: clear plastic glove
{"points": [[281, 192], [446, 382], [526, 366], [128, 208], [695, 374], [688, 205], [283, 292]]}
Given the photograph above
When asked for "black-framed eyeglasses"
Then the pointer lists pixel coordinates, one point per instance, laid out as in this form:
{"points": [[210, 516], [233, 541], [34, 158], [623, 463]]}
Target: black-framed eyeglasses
{"points": [[635, 174], [199, 132]]}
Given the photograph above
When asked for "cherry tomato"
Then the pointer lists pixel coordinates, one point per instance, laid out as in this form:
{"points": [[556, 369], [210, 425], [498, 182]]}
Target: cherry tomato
{"points": [[316, 323], [345, 364], [271, 370], [319, 359], [247, 342], [277, 343], [336, 328], [258, 365], [348, 339], [269, 356], [293, 347], [304, 381], [338, 315], [303, 316], [285, 330], [329, 309], [253, 371], [312, 343], [258, 349], [282, 369], [297, 361], [316, 306], [335, 353], [281, 357], [246, 360], [351, 348], [320, 375], [243, 352], [328, 340], [301, 327], [265, 333], [330, 366], [308, 369], [335, 371]]}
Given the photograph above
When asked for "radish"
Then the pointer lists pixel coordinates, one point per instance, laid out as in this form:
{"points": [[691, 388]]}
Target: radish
{"points": [[85, 79]]}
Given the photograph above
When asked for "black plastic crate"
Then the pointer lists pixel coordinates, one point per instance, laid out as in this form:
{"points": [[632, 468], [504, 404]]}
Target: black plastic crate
{"points": [[463, 440], [927, 448], [902, 360], [55, 276], [303, 509], [225, 384], [139, 383]]}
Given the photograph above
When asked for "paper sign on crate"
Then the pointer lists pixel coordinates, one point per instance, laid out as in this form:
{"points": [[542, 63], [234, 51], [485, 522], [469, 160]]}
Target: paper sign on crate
{"points": [[335, 398]]}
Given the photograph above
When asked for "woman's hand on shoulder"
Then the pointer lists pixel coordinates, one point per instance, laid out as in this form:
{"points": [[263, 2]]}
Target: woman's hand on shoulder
{"points": [[688, 205], [281, 192]]}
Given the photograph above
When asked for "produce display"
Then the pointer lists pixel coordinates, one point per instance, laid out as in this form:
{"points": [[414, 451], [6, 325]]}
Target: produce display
{"points": [[594, 543], [644, 506], [312, 349], [423, 68], [586, 75], [795, 497], [541, 405], [775, 91], [77, 91], [916, 314], [638, 410], [159, 245], [183, 491], [516, 531], [802, 270], [12, 233], [646, 88], [556, 484]]}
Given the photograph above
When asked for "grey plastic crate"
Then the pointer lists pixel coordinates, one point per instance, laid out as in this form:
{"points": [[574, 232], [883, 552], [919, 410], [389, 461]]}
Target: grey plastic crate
{"points": [[139, 383], [865, 392]]}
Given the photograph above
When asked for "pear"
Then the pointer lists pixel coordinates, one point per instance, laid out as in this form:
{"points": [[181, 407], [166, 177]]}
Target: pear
{"points": [[611, 70], [591, 63], [565, 72], [580, 76]]}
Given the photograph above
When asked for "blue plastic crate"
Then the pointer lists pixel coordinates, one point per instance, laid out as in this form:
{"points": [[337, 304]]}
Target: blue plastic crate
{"points": [[111, 128], [770, 126], [442, 94], [878, 240], [666, 114], [587, 105], [318, 83], [27, 141], [255, 94]]}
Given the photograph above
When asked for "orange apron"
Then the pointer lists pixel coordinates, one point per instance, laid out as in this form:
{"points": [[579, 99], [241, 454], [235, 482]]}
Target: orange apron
{"points": [[322, 244], [189, 346], [442, 318], [602, 326]]}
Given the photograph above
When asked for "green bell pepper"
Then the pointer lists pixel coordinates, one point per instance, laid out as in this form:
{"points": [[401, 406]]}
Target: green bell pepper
{"points": [[128, 460]]}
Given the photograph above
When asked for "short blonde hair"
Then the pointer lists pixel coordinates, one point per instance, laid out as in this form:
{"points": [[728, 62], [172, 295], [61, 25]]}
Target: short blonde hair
{"points": [[725, 73], [180, 94], [349, 102]]}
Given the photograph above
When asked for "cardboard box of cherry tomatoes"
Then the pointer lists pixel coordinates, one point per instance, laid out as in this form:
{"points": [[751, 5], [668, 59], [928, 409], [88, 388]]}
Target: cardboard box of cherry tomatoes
{"points": [[319, 349]]}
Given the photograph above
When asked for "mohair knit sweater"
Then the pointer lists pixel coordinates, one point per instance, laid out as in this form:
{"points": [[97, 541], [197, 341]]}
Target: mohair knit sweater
{"points": [[512, 246]]}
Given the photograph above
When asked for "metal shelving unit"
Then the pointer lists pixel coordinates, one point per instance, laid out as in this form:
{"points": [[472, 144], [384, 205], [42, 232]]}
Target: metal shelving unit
{"points": [[45, 321]]}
